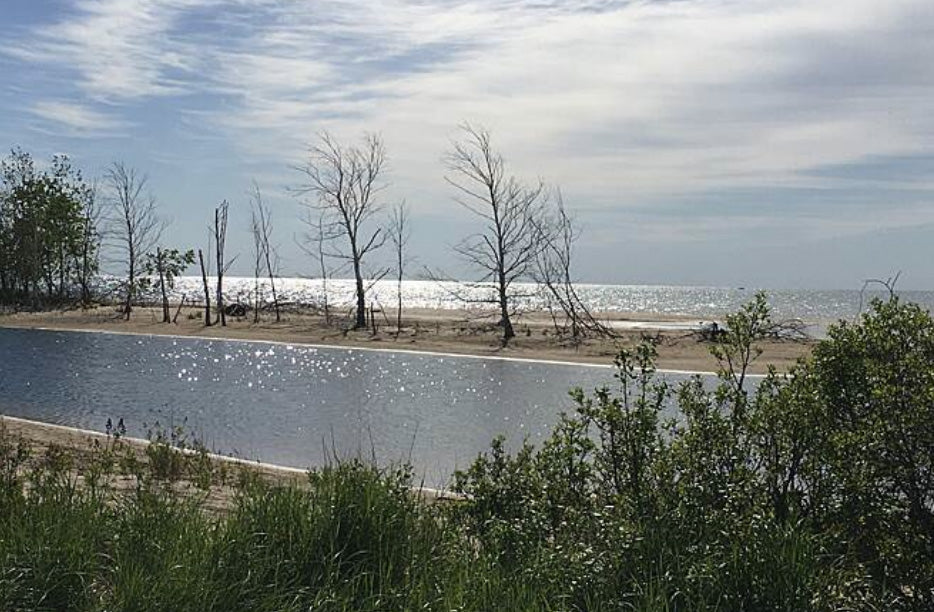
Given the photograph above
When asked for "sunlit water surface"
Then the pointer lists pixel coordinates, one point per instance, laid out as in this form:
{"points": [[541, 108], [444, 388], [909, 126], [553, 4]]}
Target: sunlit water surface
{"points": [[814, 306], [291, 405]]}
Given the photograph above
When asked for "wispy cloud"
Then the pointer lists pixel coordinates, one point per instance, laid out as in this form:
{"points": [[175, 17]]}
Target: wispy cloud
{"points": [[629, 100], [118, 49], [77, 118], [623, 102]]}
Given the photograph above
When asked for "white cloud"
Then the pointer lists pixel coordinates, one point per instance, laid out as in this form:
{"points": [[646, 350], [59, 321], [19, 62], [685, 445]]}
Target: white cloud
{"points": [[119, 49], [621, 102], [79, 119]]}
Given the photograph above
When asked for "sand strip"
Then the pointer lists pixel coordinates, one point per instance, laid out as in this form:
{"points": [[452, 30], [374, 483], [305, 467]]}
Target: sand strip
{"points": [[43, 435]]}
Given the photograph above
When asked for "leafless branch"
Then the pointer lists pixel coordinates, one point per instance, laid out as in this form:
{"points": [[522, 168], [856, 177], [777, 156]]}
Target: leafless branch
{"points": [[342, 184], [266, 255], [504, 251], [134, 227]]}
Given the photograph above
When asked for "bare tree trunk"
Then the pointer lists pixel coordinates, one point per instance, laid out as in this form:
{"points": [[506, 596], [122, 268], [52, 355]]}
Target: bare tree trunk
{"points": [[207, 292], [165, 296], [361, 296], [317, 235], [398, 233], [178, 310], [324, 271], [256, 299], [275, 297], [399, 301], [504, 251], [131, 285], [220, 238], [272, 286], [257, 262], [265, 252], [343, 182], [505, 321]]}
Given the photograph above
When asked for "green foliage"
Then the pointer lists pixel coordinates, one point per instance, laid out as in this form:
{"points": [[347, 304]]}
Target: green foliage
{"points": [[173, 454], [813, 491], [162, 267], [354, 538], [167, 264], [166, 453], [48, 237], [874, 483]]}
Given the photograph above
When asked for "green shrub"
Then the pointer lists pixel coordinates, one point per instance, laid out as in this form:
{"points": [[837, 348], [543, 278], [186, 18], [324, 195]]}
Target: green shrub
{"points": [[815, 491]]}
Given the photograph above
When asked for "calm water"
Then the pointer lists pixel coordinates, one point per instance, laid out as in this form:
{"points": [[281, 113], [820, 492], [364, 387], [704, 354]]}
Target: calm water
{"points": [[287, 404]]}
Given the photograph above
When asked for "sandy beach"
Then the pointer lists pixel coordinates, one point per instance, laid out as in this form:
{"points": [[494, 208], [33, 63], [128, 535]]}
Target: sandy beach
{"points": [[82, 446], [442, 331]]}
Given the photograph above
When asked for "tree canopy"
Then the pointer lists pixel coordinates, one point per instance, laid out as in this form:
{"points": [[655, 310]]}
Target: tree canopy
{"points": [[49, 240]]}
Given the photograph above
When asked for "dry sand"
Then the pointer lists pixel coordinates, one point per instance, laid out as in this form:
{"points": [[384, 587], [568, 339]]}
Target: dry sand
{"points": [[81, 446], [444, 331]]}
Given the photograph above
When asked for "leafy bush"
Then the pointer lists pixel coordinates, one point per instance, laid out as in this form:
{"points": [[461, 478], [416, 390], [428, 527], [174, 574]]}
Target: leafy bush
{"points": [[813, 491]]}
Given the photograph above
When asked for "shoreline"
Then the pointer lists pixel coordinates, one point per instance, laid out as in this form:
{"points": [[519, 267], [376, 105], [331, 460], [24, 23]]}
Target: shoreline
{"points": [[42, 436], [432, 332], [354, 347]]}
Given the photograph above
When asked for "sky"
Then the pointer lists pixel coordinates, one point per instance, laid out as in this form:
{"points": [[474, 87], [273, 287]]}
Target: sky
{"points": [[785, 144]]}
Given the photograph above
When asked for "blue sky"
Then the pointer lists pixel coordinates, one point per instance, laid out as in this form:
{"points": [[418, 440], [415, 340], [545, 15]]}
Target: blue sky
{"points": [[720, 142]]}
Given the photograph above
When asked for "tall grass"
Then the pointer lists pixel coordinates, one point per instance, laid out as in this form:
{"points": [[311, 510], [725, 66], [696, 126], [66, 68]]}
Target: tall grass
{"points": [[353, 537]]}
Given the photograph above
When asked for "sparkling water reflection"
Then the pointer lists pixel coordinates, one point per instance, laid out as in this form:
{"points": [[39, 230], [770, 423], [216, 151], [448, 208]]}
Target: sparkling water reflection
{"points": [[291, 405], [810, 305]]}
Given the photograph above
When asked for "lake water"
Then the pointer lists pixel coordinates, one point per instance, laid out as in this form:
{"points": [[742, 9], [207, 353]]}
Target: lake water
{"points": [[817, 307], [290, 405]]}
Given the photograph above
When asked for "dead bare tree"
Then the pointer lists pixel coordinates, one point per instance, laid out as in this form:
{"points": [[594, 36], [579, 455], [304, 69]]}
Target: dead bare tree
{"points": [[207, 292], [505, 249], [220, 241], [134, 226], [266, 256], [886, 283], [314, 243], [399, 235], [556, 233], [343, 184], [257, 266]]}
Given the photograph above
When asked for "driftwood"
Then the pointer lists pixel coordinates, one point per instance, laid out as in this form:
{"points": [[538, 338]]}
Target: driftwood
{"points": [[235, 310]]}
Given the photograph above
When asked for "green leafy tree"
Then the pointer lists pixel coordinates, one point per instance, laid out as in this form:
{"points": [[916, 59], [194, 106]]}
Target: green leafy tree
{"points": [[63, 225], [874, 385], [47, 237], [22, 194], [164, 266]]}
